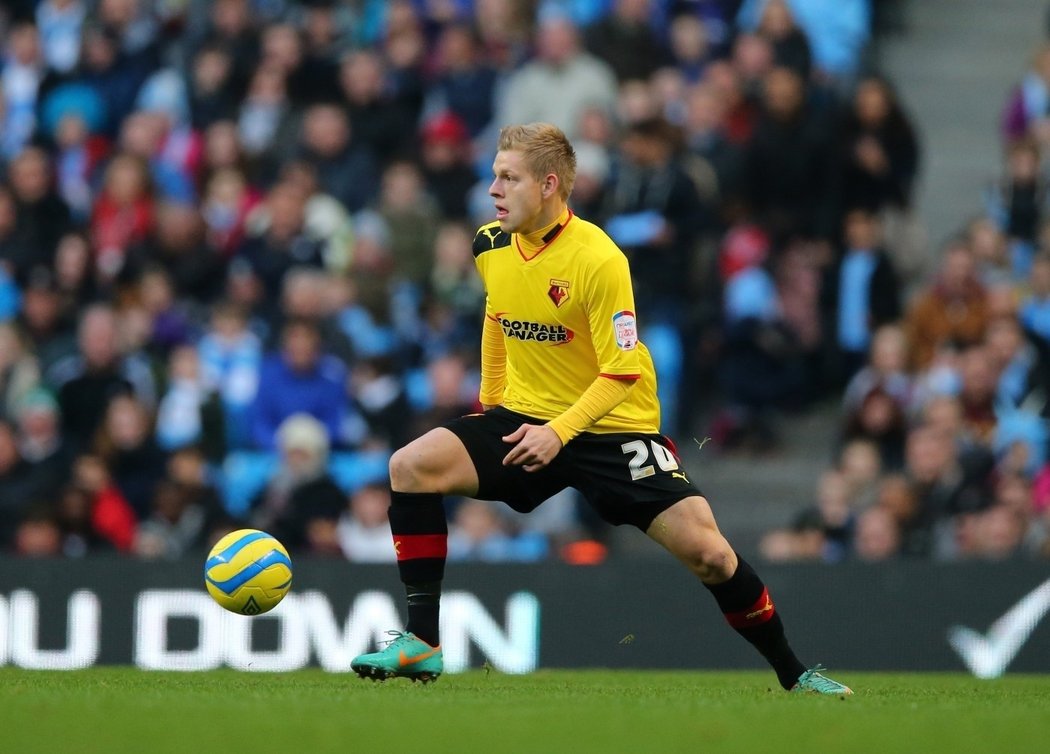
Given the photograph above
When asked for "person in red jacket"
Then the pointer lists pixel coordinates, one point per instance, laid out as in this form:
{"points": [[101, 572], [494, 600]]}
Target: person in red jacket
{"points": [[112, 518], [123, 213]]}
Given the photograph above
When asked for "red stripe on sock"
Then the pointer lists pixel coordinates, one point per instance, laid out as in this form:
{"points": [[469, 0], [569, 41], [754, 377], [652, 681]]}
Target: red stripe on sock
{"points": [[415, 546], [756, 615]]}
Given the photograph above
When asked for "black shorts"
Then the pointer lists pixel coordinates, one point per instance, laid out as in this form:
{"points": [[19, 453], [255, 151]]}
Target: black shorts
{"points": [[629, 478]]}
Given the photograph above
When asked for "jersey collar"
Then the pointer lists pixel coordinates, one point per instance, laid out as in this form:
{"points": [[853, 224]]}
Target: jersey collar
{"points": [[532, 245]]}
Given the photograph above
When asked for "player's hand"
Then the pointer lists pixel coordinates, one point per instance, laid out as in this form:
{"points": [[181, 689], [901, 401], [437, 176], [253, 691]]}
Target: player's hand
{"points": [[536, 445]]}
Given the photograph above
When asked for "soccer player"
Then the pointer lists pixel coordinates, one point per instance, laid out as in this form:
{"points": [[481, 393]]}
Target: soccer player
{"points": [[569, 398]]}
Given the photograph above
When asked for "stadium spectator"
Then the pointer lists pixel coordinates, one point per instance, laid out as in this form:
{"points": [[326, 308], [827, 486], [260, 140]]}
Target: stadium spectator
{"points": [[626, 39], [363, 529], [230, 356], [123, 214], [789, 163], [412, 218], [380, 117], [948, 484], [177, 248], [879, 418], [88, 379], [266, 121], [41, 444], [1025, 114], [19, 370], [877, 536], [860, 464], [453, 282], [92, 513], [59, 23], [282, 244], [23, 70], [177, 524], [42, 216], [861, 291], [211, 85], [464, 83], [704, 122], [879, 149], [189, 413], [125, 443], [445, 158], [995, 263], [299, 378], [345, 169], [1019, 201], [887, 370], [1017, 366], [37, 535], [1035, 310], [791, 48], [560, 83], [951, 310], [760, 365], [300, 493]]}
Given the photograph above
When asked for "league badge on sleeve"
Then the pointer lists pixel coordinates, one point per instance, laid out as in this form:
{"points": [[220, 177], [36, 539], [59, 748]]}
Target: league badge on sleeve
{"points": [[626, 330]]}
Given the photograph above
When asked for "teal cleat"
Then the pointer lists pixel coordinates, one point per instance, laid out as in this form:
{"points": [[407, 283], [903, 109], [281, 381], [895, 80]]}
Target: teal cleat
{"points": [[405, 656], [814, 683]]}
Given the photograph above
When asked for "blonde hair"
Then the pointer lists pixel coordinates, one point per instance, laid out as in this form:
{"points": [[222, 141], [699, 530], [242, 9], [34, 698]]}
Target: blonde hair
{"points": [[546, 150]]}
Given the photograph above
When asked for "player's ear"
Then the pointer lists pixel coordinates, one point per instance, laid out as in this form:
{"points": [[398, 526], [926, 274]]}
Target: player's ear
{"points": [[550, 185]]}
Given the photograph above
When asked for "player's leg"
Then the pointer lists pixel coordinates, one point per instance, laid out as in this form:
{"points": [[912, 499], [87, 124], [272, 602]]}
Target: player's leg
{"points": [[689, 532], [421, 474]]}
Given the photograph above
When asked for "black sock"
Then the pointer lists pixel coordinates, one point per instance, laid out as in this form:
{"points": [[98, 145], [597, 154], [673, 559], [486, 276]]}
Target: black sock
{"points": [[747, 607], [417, 521]]}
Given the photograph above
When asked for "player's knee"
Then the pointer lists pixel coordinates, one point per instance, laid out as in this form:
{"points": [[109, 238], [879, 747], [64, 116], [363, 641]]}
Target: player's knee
{"points": [[404, 471], [712, 559]]}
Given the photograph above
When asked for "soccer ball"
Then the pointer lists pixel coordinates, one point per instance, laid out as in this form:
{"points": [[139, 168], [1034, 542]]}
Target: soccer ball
{"points": [[248, 572]]}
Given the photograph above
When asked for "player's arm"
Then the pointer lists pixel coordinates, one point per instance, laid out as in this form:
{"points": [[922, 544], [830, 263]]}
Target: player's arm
{"points": [[610, 311], [493, 362], [603, 395], [538, 444]]}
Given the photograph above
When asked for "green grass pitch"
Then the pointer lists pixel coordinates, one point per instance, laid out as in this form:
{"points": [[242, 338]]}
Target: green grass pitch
{"points": [[117, 710]]}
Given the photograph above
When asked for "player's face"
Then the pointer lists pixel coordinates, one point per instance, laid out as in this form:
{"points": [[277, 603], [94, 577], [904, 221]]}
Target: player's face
{"points": [[517, 194]]}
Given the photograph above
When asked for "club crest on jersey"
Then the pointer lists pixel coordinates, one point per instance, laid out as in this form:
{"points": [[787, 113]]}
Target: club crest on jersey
{"points": [[626, 329], [559, 291]]}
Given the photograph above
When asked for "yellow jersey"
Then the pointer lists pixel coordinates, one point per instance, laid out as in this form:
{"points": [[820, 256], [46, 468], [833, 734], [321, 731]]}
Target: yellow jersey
{"points": [[567, 316]]}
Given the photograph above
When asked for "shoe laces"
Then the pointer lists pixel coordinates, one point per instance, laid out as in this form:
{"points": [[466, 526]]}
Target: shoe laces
{"points": [[814, 678], [397, 637], [815, 670]]}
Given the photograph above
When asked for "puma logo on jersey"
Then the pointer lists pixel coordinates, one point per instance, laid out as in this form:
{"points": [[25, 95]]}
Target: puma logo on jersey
{"points": [[488, 238], [679, 475]]}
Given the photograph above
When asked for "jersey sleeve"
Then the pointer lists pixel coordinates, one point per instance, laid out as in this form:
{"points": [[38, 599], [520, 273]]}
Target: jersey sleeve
{"points": [[493, 361], [614, 325]]}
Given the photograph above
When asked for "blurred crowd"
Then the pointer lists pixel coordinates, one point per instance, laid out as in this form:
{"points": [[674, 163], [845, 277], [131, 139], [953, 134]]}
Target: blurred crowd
{"points": [[944, 436], [236, 269]]}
